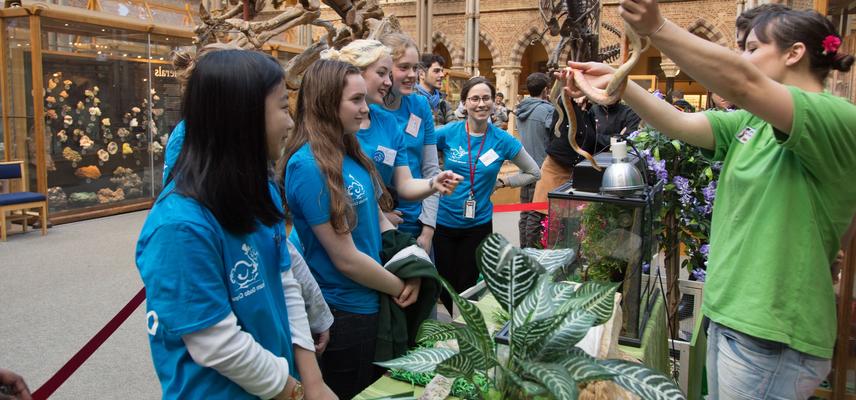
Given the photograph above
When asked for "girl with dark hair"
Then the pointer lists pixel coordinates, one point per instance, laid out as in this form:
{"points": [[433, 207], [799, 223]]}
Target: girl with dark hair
{"points": [[475, 149], [785, 195], [334, 191], [416, 119], [225, 316]]}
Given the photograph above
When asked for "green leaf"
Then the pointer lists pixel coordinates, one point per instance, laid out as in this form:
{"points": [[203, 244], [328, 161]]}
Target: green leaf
{"points": [[657, 153], [508, 273], [584, 368], [458, 366], [471, 314], [551, 260], [555, 378], [531, 335], [567, 334], [677, 144], [708, 172], [528, 387], [433, 331], [537, 305], [480, 354], [422, 360], [642, 381], [595, 297]]}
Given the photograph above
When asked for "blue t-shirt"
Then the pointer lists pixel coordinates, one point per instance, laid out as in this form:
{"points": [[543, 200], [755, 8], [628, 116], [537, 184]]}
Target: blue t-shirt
{"points": [[384, 143], [309, 202], [499, 146], [416, 120], [173, 149], [196, 273]]}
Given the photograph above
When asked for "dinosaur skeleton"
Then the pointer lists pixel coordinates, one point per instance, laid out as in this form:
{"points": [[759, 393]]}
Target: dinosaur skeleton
{"points": [[362, 19]]}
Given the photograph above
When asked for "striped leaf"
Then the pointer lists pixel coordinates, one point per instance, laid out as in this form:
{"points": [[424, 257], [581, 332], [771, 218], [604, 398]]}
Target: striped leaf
{"points": [[584, 368], [508, 273], [566, 335], [422, 360], [551, 260], [528, 387], [595, 297], [481, 356], [642, 381], [434, 331], [555, 378], [457, 366], [532, 334], [471, 314], [537, 305]]}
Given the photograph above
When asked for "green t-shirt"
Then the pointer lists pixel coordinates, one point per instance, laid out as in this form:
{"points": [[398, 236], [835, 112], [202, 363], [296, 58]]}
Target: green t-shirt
{"points": [[782, 205]]}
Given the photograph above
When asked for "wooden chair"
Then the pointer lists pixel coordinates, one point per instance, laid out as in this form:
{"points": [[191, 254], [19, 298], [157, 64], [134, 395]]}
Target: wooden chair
{"points": [[18, 203]]}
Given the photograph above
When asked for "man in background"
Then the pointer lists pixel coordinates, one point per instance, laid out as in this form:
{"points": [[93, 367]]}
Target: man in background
{"points": [[680, 103], [534, 115], [430, 82]]}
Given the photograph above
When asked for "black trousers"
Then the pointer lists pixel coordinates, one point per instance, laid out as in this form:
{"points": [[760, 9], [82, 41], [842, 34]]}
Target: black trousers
{"points": [[346, 364], [529, 226], [455, 256]]}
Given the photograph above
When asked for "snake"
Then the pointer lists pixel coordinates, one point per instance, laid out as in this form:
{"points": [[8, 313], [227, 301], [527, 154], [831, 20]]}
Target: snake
{"points": [[632, 44]]}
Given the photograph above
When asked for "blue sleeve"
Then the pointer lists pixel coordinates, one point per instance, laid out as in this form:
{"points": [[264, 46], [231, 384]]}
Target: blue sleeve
{"points": [[511, 146], [284, 255], [398, 140], [441, 136], [427, 116], [182, 268], [173, 149], [306, 192]]}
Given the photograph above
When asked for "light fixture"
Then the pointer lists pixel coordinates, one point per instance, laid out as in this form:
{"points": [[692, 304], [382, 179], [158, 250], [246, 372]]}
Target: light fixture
{"points": [[621, 177]]}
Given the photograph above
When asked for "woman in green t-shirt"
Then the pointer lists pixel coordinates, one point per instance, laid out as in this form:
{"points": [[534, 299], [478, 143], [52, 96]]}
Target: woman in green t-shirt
{"points": [[785, 194]]}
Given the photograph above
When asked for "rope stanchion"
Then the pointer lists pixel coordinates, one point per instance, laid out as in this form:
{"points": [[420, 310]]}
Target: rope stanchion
{"points": [[93, 344]]}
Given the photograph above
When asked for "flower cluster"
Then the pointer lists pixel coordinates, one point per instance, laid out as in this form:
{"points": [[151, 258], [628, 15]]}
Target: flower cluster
{"points": [[689, 193]]}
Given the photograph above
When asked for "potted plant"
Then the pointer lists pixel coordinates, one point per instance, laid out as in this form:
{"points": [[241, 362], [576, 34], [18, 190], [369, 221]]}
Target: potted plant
{"points": [[547, 320]]}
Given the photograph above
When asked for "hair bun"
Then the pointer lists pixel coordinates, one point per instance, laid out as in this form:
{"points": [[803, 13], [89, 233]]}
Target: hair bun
{"points": [[331, 54], [843, 62]]}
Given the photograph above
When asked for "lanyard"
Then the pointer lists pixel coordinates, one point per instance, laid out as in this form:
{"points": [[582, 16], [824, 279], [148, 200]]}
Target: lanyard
{"points": [[470, 164]]}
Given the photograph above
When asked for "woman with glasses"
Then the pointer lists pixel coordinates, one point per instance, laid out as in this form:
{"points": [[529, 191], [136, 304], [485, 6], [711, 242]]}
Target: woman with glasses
{"points": [[475, 149]]}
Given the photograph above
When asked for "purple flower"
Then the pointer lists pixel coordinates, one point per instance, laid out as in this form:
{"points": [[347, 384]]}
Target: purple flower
{"points": [[716, 166], [704, 249], [683, 186], [709, 192], [699, 274], [633, 135], [659, 95]]}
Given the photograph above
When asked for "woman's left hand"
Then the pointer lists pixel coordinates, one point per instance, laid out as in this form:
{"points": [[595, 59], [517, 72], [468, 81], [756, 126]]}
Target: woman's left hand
{"points": [[446, 181], [642, 15], [410, 293]]}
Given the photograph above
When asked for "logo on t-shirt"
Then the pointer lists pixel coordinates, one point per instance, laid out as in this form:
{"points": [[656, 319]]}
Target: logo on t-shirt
{"points": [[245, 274], [458, 155], [378, 156], [746, 134], [356, 191]]}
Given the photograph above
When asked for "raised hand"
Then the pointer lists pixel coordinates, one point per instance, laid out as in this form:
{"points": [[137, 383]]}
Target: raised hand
{"points": [[446, 181], [643, 16]]}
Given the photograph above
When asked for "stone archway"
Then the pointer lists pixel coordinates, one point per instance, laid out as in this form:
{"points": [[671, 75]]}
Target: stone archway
{"points": [[705, 30], [488, 56], [523, 41], [457, 53]]}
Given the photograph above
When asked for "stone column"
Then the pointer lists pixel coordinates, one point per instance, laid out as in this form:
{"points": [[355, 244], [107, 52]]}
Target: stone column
{"points": [[424, 21], [506, 82], [471, 38], [304, 35]]}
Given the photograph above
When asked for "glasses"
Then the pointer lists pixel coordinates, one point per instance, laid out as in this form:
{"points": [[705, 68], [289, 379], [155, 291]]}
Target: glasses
{"points": [[476, 99]]}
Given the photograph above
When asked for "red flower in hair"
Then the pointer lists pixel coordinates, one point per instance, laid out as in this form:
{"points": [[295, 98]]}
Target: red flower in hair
{"points": [[831, 44]]}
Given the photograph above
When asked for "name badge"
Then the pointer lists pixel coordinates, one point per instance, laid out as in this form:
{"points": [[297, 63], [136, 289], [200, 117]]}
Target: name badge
{"points": [[412, 128], [386, 155], [746, 134], [470, 209], [489, 157]]}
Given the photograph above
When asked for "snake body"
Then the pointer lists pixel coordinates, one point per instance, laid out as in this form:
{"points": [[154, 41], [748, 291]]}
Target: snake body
{"points": [[632, 44]]}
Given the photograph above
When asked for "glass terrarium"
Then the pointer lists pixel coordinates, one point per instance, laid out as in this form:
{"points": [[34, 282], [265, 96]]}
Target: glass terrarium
{"points": [[613, 236]]}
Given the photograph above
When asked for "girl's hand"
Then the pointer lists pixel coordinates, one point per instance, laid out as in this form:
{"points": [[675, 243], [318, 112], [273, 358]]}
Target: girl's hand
{"points": [[642, 15], [410, 293], [321, 341], [446, 181], [394, 217]]}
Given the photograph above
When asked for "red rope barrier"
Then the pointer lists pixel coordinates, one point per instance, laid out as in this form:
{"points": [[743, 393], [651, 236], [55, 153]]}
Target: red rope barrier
{"points": [[503, 208], [93, 344]]}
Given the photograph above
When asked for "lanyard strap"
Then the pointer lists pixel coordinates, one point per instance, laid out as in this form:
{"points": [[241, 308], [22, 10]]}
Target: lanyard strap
{"points": [[470, 164]]}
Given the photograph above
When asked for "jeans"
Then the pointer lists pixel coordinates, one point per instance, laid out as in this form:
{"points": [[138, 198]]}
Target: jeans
{"points": [[740, 366], [529, 226], [346, 364]]}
